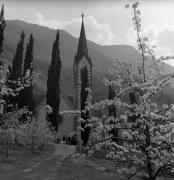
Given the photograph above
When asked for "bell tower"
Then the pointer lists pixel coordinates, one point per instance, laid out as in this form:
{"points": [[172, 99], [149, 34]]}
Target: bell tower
{"points": [[82, 70]]}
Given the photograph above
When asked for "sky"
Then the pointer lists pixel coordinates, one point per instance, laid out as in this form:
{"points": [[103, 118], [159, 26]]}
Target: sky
{"points": [[107, 22]]}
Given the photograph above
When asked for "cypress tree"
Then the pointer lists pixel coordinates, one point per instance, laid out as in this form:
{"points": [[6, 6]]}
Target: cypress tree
{"points": [[27, 93], [112, 109], [53, 84], [132, 94], [112, 112], [2, 27], [133, 98], [29, 56], [16, 71]]}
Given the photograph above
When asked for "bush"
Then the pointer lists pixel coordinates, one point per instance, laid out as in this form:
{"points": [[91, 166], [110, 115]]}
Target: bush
{"points": [[35, 133]]}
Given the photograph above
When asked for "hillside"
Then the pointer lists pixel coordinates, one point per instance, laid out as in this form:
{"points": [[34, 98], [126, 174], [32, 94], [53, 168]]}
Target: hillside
{"points": [[102, 56]]}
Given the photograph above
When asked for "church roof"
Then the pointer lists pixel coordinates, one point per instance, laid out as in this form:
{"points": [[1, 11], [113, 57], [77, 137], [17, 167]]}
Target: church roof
{"points": [[82, 49], [82, 46]]}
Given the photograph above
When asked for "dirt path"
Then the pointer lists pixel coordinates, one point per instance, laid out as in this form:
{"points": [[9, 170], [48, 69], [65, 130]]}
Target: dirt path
{"points": [[60, 166], [64, 150]]}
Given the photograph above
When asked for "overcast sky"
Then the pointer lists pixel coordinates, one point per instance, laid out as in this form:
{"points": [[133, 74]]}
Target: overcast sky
{"points": [[107, 22]]}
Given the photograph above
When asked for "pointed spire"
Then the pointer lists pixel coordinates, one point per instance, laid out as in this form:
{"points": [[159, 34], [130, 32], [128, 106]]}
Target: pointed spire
{"points": [[2, 10], [82, 16], [82, 46]]}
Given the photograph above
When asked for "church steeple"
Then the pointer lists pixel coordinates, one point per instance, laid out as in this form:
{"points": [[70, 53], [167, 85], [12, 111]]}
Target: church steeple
{"points": [[82, 50], [82, 46], [82, 70]]}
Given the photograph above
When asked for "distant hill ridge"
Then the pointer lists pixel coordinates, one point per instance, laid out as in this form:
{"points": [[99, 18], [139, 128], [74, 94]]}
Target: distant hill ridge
{"points": [[102, 56]]}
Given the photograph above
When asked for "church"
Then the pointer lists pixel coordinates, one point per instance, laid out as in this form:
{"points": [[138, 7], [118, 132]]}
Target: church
{"points": [[82, 73]]}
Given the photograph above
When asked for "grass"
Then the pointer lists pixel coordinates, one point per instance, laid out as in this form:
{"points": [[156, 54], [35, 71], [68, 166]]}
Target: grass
{"points": [[21, 158], [45, 164], [22, 164]]}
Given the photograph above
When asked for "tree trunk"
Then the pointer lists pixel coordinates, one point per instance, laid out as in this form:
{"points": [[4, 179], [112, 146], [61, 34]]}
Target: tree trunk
{"points": [[32, 144], [7, 149], [148, 164]]}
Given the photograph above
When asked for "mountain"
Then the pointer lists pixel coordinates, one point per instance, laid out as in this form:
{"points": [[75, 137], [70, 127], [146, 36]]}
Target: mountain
{"points": [[126, 53], [102, 56], [44, 38]]}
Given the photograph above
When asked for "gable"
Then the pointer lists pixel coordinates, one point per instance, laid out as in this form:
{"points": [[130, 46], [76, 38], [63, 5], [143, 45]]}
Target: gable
{"points": [[83, 62]]}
